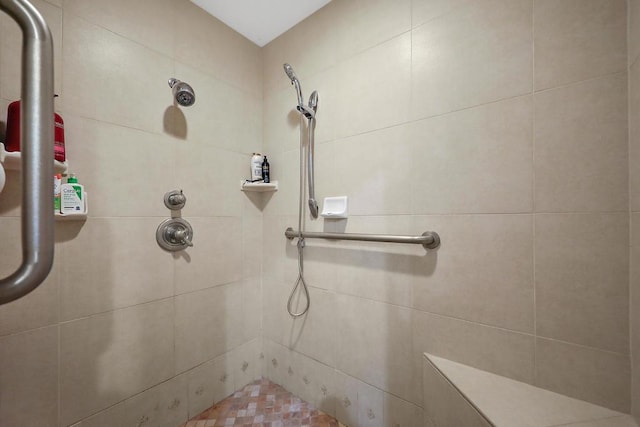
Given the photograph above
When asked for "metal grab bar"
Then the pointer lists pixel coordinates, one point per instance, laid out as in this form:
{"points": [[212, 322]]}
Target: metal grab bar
{"points": [[428, 239], [36, 129]]}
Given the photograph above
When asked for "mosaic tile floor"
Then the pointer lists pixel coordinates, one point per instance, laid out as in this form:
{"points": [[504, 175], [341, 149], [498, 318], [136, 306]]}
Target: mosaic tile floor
{"points": [[262, 404]]}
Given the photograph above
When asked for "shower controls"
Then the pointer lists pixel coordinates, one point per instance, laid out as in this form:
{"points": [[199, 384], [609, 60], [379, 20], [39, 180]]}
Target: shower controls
{"points": [[175, 200], [174, 234]]}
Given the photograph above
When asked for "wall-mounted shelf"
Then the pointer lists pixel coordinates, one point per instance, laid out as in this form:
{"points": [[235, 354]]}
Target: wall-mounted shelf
{"points": [[12, 160], [75, 216], [258, 187]]}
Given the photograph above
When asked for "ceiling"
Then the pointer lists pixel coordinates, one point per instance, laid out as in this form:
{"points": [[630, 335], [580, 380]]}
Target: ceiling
{"points": [[261, 20]]}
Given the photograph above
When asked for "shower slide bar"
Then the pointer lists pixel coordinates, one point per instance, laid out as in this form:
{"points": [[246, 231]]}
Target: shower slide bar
{"points": [[428, 239], [37, 152]]}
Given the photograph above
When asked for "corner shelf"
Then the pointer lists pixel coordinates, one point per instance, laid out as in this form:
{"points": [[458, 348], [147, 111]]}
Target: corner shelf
{"points": [[12, 160], [75, 216], [258, 187]]}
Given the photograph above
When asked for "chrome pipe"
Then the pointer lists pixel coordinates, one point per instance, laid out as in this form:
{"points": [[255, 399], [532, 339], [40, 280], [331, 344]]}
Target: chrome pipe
{"points": [[36, 129], [428, 239]]}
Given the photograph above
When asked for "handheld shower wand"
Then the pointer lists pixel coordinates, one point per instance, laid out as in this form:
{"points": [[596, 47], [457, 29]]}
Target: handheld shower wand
{"points": [[294, 81], [308, 112]]}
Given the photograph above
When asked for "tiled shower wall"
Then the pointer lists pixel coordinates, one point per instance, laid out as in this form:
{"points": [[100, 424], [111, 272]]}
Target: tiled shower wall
{"points": [[123, 333], [634, 199], [500, 124]]}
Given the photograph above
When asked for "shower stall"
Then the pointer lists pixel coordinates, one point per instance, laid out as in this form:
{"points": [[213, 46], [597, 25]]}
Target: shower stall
{"points": [[509, 127]]}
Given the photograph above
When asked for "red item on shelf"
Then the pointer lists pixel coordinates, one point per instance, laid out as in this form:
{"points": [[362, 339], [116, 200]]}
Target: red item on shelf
{"points": [[12, 142]]}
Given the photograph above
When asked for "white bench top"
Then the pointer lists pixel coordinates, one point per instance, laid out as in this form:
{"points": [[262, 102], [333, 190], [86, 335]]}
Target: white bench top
{"points": [[509, 403]]}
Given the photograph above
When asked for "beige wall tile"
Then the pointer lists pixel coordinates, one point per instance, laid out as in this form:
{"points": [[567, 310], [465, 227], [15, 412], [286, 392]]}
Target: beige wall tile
{"points": [[211, 382], [450, 55], [105, 359], [500, 351], [149, 22], [208, 323], [201, 383], [584, 373], [400, 412], [281, 121], [11, 195], [213, 47], [110, 78], [38, 308], [223, 116], [581, 147], [375, 346], [277, 359], [633, 30], [312, 334], [216, 255], [459, 279], [164, 405], [29, 378], [347, 399], [373, 88], [374, 171], [252, 238], [362, 24], [634, 302], [210, 178], [355, 26], [301, 48], [582, 292], [252, 307], [444, 405], [278, 252], [286, 169], [319, 387], [247, 363], [111, 266], [370, 406], [144, 171], [478, 160], [578, 40], [312, 381], [634, 136], [11, 50], [224, 373], [382, 272], [423, 11]]}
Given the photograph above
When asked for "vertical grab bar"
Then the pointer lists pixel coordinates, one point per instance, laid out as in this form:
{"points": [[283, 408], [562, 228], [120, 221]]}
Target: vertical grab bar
{"points": [[36, 129]]}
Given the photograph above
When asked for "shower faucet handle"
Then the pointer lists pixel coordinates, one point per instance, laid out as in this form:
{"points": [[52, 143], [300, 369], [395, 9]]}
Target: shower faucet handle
{"points": [[174, 234], [181, 236], [175, 200]]}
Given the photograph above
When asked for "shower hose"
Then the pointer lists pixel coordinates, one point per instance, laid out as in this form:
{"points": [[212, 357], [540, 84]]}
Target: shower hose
{"points": [[300, 282]]}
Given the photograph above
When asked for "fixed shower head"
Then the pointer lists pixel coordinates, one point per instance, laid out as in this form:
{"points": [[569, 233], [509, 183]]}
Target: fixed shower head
{"points": [[182, 92], [294, 81]]}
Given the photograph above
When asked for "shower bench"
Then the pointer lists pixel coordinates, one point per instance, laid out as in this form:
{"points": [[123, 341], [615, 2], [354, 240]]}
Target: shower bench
{"points": [[459, 395]]}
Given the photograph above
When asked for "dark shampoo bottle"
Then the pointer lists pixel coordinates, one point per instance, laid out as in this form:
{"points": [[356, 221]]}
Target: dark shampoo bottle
{"points": [[265, 170]]}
